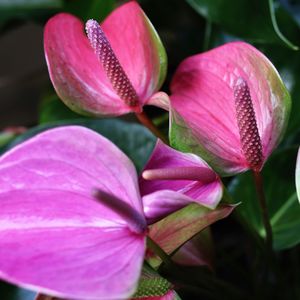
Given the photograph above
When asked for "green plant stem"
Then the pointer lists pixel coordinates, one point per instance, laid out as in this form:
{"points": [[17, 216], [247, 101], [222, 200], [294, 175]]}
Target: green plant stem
{"points": [[147, 122], [151, 244], [264, 210], [276, 28]]}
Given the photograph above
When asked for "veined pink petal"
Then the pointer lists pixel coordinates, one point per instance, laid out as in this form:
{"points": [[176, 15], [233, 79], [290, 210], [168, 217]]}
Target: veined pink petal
{"points": [[64, 241], [75, 71], [207, 193], [203, 107], [160, 204], [138, 48], [58, 248], [71, 158]]}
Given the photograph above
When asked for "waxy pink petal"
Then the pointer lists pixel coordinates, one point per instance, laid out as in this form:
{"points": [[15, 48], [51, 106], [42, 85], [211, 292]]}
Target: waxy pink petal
{"points": [[63, 240], [160, 204], [138, 48], [165, 199], [204, 117], [78, 76]]}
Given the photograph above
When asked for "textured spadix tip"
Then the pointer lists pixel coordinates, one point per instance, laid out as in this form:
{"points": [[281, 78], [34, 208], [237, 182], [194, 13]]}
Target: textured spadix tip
{"points": [[111, 65], [248, 130]]}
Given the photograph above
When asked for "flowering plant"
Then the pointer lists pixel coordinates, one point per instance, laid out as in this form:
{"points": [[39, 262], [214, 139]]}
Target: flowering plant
{"points": [[176, 207]]}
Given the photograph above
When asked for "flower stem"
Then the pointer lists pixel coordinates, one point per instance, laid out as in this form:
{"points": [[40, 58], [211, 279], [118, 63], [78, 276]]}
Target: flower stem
{"points": [[147, 122], [151, 244], [264, 210]]}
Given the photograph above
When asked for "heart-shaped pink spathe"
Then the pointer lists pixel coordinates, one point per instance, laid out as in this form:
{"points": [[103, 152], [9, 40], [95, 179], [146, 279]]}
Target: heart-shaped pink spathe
{"points": [[203, 108], [56, 237], [82, 82], [179, 179]]}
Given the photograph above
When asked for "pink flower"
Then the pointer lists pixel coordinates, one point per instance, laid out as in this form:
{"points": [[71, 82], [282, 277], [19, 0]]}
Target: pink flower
{"points": [[71, 218], [178, 178], [116, 68], [71, 221], [229, 106]]}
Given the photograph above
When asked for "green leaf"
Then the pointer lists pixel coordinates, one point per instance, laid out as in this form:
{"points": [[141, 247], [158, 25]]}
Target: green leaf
{"points": [[90, 9], [179, 227], [133, 139], [151, 284], [283, 206], [52, 109], [276, 27], [29, 4], [288, 64], [6, 137], [250, 20], [20, 9]]}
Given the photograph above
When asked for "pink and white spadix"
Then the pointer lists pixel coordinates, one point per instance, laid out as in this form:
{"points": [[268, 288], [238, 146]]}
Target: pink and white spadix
{"points": [[116, 68], [229, 106], [179, 179], [71, 219]]}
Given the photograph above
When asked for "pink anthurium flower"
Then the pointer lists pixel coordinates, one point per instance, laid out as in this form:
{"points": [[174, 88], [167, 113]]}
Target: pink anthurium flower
{"points": [[71, 221], [114, 69], [169, 173], [298, 175], [229, 106]]}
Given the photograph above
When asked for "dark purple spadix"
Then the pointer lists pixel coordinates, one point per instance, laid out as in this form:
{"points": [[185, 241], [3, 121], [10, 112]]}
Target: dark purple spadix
{"points": [[246, 120], [111, 64], [136, 222]]}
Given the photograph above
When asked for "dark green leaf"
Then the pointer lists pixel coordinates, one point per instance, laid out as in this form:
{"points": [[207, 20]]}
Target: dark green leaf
{"points": [[250, 20], [288, 64], [29, 4], [52, 109], [20, 9], [90, 9]]}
